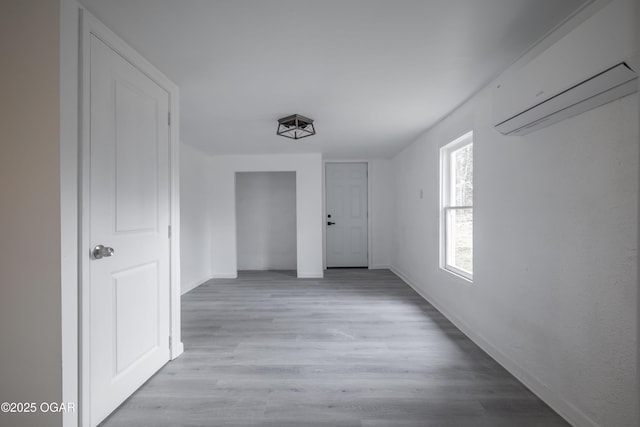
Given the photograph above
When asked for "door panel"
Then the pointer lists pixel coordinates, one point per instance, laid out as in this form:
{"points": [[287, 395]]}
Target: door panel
{"points": [[135, 291], [347, 239], [357, 202], [136, 186], [129, 211]]}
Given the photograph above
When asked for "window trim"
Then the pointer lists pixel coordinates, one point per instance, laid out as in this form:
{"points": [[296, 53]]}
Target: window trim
{"points": [[446, 190]]}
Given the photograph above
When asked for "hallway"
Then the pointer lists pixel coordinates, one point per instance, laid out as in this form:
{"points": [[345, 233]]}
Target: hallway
{"points": [[357, 348]]}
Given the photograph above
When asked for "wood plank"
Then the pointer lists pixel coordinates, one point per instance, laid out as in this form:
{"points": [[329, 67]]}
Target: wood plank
{"points": [[357, 348]]}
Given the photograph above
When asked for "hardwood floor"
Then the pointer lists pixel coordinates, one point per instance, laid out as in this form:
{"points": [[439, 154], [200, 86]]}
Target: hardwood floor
{"points": [[357, 348]]}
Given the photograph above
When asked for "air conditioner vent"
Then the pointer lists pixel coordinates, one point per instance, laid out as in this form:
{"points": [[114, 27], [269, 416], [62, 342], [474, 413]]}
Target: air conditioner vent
{"points": [[613, 83]]}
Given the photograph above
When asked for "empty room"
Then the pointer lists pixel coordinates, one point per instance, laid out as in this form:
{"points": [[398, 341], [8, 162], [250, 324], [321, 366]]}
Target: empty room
{"points": [[310, 213]]}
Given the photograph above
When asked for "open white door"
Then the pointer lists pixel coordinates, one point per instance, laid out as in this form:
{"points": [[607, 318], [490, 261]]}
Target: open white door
{"points": [[347, 218], [129, 204]]}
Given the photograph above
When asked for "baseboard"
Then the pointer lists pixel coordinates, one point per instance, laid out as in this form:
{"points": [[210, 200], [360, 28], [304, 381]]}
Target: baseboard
{"points": [[380, 267], [225, 276], [310, 275], [564, 408], [194, 285], [175, 352]]}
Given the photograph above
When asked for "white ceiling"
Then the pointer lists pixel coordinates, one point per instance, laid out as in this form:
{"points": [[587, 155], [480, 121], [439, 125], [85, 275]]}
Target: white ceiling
{"points": [[373, 74]]}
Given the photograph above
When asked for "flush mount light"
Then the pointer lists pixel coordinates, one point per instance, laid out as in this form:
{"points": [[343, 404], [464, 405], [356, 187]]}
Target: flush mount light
{"points": [[295, 127]]}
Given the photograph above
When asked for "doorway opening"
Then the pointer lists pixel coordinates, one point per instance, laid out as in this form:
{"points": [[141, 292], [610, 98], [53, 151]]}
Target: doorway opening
{"points": [[266, 229]]}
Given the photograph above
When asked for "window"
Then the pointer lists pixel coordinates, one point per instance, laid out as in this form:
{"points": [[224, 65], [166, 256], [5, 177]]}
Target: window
{"points": [[456, 213]]}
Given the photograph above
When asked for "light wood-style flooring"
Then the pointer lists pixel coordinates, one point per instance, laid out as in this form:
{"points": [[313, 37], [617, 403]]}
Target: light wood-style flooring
{"points": [[357, 348]]}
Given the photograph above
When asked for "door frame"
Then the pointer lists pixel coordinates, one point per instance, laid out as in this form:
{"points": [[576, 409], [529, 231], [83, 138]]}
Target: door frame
{"points": [[324, 209], [89, 25]]}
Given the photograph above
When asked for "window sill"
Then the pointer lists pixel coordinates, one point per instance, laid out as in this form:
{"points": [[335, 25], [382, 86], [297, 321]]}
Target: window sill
{"points": [[458, 273]]}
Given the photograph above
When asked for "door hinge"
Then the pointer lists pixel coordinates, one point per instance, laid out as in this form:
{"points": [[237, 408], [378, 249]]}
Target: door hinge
{"points": [[169, 118], [169, 231]]}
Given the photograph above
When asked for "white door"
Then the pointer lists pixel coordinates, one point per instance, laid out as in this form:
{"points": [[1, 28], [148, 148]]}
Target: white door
{"points": [[129, 212], [346, 222]]}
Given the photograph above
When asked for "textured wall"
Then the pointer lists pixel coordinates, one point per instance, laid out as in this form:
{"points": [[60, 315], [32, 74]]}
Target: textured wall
{"points": [[555, 251]]}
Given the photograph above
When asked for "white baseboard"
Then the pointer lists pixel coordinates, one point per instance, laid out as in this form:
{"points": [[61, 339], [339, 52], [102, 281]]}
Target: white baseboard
{"points": [[193, 285], [380, 267], [225, 276], [566, 409], [310, 275]]}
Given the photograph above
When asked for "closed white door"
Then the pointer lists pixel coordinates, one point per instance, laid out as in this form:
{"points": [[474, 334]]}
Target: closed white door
{"points": [[129, 212], [347, 217]]}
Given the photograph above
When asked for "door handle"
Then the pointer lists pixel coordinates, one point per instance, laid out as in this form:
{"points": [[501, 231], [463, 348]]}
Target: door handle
{"points": [[330, 223], [102, 251]]}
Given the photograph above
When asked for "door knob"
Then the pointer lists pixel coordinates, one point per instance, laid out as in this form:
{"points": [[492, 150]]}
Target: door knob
{"points": [[101, 251], [330, 223]]}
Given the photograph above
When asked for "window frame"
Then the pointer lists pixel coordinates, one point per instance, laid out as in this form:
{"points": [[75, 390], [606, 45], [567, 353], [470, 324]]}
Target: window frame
{"points": [[447, 192]]}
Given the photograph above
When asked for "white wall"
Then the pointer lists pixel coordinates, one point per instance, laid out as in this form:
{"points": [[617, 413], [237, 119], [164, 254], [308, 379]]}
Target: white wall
{"points": [[30, 241], [195, 226], [382, 212], [266, 220], [555, 258], [308, 168]]}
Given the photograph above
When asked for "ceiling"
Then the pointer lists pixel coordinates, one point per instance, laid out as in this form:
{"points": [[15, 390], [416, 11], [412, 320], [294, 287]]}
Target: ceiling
{"points": [[373, 74]]}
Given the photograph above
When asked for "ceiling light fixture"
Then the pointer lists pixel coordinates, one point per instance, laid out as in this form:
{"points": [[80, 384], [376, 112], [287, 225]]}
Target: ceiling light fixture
{"points": [[295, 127]]}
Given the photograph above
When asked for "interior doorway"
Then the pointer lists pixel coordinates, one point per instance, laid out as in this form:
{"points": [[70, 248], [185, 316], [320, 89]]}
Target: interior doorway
{"points": [[266, 229], [347, 221]]}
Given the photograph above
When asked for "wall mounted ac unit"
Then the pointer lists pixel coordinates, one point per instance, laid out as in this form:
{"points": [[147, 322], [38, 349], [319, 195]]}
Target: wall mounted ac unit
{"points": [[543, 108], [595, 62]]}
